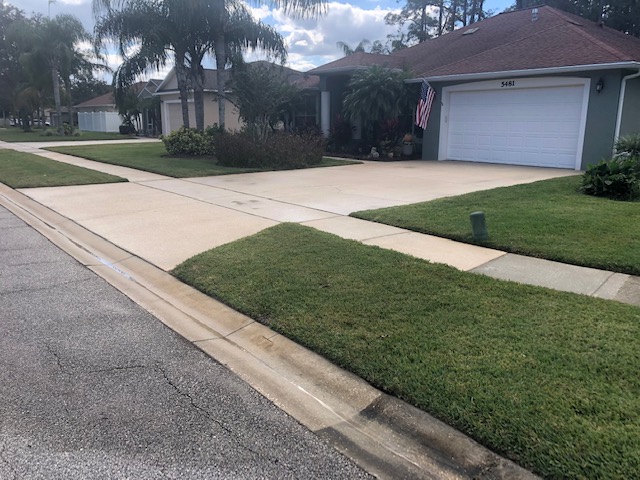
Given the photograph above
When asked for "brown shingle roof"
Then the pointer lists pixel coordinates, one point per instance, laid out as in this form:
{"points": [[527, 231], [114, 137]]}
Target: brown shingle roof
{"points": [[301, 80], [358, 60], [506, 42], [107, 100], [294, 77], [513, 41]]}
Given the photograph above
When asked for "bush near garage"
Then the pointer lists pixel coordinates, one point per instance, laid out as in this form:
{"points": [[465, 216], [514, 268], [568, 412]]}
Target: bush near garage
{"points": [[188, 141], [280, 150], [619, 177]]}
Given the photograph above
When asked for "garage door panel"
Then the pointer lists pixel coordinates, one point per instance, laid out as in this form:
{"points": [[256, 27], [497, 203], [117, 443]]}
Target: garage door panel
{"points": [[528, 126]]}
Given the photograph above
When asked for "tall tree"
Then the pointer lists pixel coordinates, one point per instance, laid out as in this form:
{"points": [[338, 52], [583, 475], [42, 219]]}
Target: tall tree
{"points": [[420, 20], [54, 43], [191, 29], [10, 69], [347, 50], [415, 18], [157, 31], [622, 15]]}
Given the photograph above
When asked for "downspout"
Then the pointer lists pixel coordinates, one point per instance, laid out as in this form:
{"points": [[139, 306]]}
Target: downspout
{"points": [[623, 89]]}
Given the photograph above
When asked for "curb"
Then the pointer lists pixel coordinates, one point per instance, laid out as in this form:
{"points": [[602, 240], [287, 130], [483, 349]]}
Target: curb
{"points": [[383, 435]]}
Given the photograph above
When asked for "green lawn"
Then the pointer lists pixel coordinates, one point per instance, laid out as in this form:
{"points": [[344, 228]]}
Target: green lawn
{"points": [[547, 219], [549, 379], [152, 157], [17, 135], [24, 170]]}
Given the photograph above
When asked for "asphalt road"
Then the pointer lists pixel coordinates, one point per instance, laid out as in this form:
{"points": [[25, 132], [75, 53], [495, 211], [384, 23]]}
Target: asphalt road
{"points": [[92, 386]]}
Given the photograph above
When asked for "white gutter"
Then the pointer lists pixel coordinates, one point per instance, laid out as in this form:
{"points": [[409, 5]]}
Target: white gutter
{"points": [[533, 71], [623, 91], [347, 69]]}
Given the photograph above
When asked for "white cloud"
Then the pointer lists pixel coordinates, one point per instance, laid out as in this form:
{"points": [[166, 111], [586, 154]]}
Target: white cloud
{"points": [[312, 42], [72, 2]]}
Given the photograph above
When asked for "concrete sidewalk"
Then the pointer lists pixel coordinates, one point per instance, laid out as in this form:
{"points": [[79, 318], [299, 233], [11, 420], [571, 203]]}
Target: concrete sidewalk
{"points": [[167, 220], [132, 233]]}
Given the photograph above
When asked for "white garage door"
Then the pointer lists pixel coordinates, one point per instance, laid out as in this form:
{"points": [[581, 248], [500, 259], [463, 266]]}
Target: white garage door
{"points": [[540, 126]]}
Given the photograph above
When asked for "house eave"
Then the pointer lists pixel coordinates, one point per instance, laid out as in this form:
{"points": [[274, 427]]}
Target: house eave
{"points": [[348, 69], [173, 92], [527, 72], [109, 105]]}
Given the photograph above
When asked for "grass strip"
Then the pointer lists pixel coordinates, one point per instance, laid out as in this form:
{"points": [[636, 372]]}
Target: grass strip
{"points": [[37, 135], [153, 157], [25, 170], [549, 379], [546, 219]]}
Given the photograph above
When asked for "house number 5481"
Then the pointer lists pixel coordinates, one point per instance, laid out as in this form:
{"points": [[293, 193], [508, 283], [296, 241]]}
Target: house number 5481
{"points": [[508, 83]]}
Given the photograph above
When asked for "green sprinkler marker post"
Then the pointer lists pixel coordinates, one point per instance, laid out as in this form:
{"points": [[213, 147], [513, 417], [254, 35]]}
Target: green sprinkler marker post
{"points": [[478, 226]]}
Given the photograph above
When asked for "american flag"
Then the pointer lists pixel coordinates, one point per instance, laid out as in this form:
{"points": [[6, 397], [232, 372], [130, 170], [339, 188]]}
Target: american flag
{"points": [[427, 94]]}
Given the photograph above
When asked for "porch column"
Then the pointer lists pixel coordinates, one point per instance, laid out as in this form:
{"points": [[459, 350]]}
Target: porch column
{"points": [[357, 129], [325, 113]]}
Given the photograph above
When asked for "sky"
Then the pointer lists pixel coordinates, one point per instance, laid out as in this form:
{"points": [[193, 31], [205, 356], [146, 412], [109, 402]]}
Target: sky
{"points": [[310, 42]]}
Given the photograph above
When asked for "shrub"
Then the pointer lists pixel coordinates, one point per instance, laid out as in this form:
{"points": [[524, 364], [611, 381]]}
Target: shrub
{"points": [[187, 141], [628, 146], [618, 178], [281, 150], [127, 129]]}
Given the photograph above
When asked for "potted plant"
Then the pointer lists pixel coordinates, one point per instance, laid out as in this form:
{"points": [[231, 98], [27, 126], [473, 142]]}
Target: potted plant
{"points": [[407, 145]]}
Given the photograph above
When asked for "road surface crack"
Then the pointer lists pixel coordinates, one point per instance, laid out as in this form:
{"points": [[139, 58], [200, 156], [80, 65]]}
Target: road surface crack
{"points": [[226, 429], [56, 355]]}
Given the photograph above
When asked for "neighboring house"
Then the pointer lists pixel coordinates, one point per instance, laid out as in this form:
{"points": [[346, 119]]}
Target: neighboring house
{"points": [[171, 108], [533, 87], [101, 103], [100, 114]]}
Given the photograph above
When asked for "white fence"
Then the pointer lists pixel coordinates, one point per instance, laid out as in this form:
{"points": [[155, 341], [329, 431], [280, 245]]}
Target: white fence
{"points": [[99, 121]]}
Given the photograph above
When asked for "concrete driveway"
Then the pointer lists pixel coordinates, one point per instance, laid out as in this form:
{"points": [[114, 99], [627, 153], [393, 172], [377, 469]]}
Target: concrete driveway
{"points": [[166, 220]]}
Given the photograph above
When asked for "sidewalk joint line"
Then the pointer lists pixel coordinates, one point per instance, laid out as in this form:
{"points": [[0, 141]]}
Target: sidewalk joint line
{"points": [[593, 294]]}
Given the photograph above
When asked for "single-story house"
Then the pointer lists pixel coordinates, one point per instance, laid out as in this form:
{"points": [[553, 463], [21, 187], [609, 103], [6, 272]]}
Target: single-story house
{"points": [[536, 86], [100, 113], [171, 107]]}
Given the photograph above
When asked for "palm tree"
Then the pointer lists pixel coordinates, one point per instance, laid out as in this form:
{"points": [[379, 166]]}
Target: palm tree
{"points": [[361, 47], [223, 27], [235, 32], [375, 95], [156, 30], [52, 42], [191, 30]]}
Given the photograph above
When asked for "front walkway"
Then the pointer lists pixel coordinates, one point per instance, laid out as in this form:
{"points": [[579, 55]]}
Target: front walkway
{"points": [[166, 220]]}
